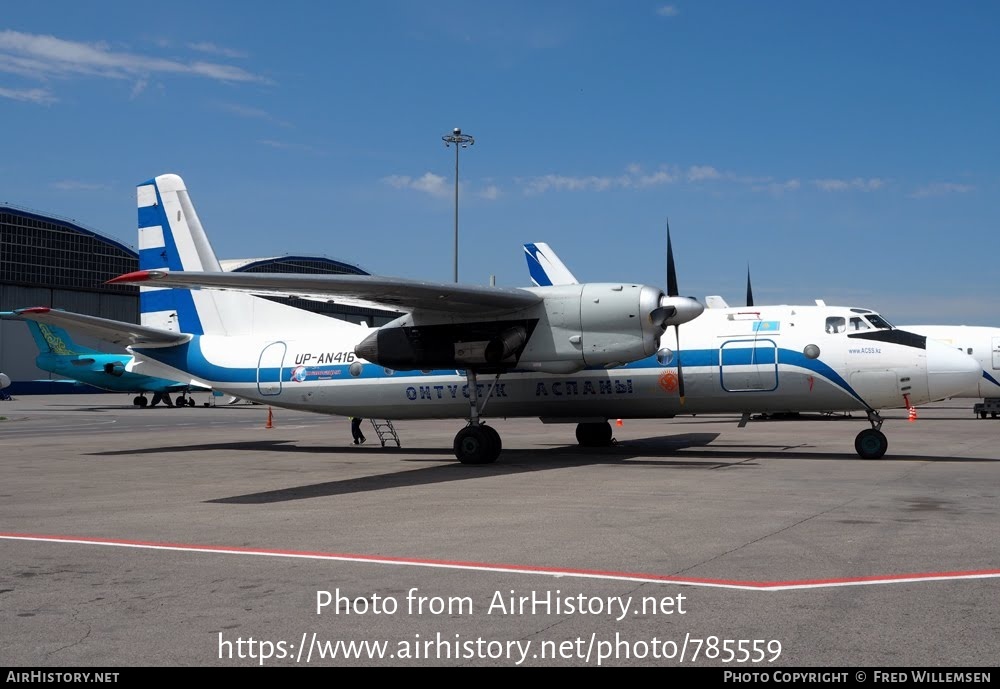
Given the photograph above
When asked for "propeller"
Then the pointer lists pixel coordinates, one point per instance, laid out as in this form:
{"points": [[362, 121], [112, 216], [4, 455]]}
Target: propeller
{"points": [[674, 291], [674, 310], [684, 308]]}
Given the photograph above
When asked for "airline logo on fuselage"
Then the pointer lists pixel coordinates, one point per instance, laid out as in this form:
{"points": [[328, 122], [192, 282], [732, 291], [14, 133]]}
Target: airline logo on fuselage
{"points": [[571, 388], [451, 392], [558, 388]]}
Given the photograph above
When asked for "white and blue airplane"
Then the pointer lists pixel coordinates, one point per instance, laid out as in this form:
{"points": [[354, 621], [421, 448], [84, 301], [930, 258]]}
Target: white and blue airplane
{"points": [[579, 353], [982, 343], [856, 339], [59, 354]]}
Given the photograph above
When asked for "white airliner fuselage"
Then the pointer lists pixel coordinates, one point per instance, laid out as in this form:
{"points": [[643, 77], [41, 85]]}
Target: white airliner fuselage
{"points": [[763, 359], [980, 342]]}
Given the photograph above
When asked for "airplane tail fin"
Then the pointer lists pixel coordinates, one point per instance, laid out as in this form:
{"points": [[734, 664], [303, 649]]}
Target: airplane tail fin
{"points": [[716, 302], [545, 268], [50, 339], [171, 237]]}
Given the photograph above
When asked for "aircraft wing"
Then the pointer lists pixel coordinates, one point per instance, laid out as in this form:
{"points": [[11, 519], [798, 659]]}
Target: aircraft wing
{"points": [[393, 293], [117, 332]]}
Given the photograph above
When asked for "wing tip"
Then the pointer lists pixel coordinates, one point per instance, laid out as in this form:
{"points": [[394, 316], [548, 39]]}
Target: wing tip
{"points": [[136, 276]]}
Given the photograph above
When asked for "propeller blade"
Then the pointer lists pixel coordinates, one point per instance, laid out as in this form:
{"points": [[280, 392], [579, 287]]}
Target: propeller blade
{"points": [[672, 290], [658, 316], [680, 372], [749, 291]]}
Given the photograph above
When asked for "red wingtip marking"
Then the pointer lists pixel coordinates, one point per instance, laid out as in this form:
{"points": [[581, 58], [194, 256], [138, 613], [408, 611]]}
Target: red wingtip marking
{"points": [[137, 276], [35, 309]]}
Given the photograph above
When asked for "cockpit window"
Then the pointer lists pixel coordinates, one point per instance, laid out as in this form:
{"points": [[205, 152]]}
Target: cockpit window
{"points": [[836, 324], [879, 322], [858, 323]]}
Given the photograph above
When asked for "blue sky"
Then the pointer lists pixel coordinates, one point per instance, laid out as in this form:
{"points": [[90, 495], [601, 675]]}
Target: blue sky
{"points": [[848, 151]]}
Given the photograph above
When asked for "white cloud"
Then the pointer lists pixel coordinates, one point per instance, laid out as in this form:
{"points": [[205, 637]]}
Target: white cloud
{"points": [[43, 57], [429, 183], [40, 96], [778, 188], [491, 193], [696, 173], [252, 113], [856, 184], [941, 189], [656, 179], [545, 183], [668, 11], [211, 48], [633, 177]]}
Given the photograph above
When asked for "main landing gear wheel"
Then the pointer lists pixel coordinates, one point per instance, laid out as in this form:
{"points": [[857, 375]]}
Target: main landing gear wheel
{"points": [[594, 434], [180, 401], [140, 401], [477, 445], [871, 444]]}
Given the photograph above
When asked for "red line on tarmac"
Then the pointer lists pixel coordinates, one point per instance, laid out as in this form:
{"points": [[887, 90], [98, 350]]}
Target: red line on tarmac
{"points": [[517, 569]]}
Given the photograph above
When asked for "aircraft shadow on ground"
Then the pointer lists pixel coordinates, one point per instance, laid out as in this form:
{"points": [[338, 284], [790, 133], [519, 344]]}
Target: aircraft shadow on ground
{"points": [[657, 451]]}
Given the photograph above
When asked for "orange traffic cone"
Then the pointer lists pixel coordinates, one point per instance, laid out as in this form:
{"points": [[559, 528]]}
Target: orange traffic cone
{"points": [[618, 422], [269, 423], [913, 414]]}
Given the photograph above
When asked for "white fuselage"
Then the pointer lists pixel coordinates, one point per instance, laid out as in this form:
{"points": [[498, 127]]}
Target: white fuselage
{"points": [[980, 342], [757, 359]]}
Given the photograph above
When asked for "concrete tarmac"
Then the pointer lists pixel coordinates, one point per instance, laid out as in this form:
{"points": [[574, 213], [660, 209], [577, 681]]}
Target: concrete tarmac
{"points": [[199, 537]]}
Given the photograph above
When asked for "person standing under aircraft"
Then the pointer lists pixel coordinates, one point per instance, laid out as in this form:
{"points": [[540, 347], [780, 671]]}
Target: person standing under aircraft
{"points": [[359, 437], [161, 397]]}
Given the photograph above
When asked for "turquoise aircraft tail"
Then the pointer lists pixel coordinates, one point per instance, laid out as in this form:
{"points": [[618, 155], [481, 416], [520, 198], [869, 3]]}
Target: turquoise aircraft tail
{"points": [[51, 339]]}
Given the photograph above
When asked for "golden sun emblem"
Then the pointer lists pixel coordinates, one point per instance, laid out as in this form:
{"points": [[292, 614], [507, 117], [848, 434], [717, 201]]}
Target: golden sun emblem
{"points": [[668, 381]]}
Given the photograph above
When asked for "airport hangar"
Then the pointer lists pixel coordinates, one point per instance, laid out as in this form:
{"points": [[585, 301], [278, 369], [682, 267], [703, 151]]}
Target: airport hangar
{"points": [[47, 260]]}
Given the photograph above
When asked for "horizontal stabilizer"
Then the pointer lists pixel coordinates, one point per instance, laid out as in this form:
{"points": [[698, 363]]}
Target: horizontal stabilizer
{"points": [[116, 332]]}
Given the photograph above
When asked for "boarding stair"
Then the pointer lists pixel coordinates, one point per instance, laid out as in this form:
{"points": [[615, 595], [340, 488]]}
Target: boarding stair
{"points": [[386, 433]]}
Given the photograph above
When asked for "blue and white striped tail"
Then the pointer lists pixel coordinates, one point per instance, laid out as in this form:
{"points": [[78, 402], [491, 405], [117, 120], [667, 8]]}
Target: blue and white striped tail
{"points": [[545, 268], [171, 237]]}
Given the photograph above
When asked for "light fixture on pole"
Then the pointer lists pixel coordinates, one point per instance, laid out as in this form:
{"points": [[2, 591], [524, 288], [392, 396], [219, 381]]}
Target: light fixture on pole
{"points": [[461, 141]]}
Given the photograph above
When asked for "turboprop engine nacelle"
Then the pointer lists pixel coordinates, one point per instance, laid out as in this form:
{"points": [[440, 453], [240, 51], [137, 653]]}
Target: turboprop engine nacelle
{"points": [[594, 324]]}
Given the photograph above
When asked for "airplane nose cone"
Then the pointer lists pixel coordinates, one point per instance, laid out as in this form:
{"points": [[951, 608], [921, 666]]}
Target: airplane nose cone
{"points": [[951, 372]]}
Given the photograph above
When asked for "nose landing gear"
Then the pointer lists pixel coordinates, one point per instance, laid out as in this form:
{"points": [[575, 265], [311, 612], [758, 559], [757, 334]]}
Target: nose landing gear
{"points": [[871, 443]]}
